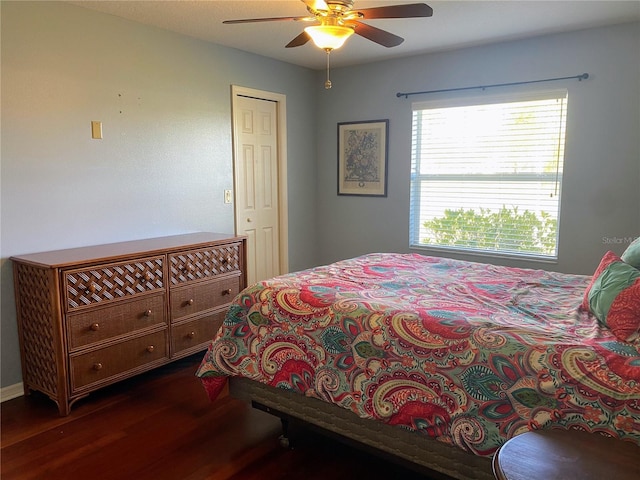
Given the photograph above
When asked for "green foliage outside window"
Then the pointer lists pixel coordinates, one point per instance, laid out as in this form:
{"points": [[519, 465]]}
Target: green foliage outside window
{"points": [[506, 229]]}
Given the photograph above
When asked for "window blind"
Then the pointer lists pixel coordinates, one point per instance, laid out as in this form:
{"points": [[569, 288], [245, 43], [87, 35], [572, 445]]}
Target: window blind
{"points": [[487, 175]]}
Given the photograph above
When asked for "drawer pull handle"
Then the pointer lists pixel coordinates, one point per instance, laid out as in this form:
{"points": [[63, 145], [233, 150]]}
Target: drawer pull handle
{"points": [[148, 313], [226, 292], [189, 302], [95, 327], [150, 348], [97, 366], [147, 275], [191, 335], [226, 260], [189, 267], [91, 289]]}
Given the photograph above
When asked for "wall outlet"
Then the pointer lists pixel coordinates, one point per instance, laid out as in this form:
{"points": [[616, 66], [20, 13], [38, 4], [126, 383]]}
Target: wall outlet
{"points": [[227, 196]]}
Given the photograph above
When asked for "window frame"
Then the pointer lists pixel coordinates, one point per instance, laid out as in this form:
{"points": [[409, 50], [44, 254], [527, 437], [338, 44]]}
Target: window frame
{"points": [[556, 176]]}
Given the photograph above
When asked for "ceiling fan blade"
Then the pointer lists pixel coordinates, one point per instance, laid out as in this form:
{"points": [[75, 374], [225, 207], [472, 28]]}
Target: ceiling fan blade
{"points": [[377, 35], [299, 40], [272, 19], [398, 11]]}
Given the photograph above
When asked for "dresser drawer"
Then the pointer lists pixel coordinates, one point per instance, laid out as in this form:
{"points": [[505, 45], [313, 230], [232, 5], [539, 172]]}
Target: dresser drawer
{"points": [[195, 334], [203, 263], [118, 361], [99, 324], [192, 299], [104, 283]]}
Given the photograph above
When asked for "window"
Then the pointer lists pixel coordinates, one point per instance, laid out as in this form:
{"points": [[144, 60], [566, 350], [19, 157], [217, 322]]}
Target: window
{"points": [[486, 174]]}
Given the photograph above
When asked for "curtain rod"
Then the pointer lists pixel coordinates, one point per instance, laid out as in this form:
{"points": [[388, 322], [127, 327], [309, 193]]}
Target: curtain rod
{"points": [[581, 77]]}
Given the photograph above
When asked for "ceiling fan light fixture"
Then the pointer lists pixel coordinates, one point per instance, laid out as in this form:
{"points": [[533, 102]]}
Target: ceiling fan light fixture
{"points": [[329, 37]]}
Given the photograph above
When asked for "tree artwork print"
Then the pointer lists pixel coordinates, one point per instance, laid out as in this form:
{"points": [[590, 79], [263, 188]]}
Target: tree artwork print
{"points": [[362, 158]]}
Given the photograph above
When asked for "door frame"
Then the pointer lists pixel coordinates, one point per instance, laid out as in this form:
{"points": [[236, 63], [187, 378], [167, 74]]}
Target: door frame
{"points": [[283, 211]]}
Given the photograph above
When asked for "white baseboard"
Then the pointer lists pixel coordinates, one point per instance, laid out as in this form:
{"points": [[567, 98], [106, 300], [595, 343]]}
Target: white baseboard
{"points": [[12, 391]]}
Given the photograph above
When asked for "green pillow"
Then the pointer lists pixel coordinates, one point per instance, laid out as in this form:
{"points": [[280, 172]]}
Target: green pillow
{"points": [[613, 297], [614, 279], [632, 254]]}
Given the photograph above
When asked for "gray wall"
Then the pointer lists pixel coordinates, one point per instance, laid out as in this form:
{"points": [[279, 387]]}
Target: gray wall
{"points": [[164, 100], [601, 192]]}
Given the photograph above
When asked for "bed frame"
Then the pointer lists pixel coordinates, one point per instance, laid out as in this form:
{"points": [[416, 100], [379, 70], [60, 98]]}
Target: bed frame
{"points": [[419, 452]]}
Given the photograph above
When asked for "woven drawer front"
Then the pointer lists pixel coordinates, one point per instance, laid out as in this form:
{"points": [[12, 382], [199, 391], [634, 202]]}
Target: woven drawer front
{"points": [[196, 334], [115, 361], [98, 324], [103, 283], [204, 263], [193, 299]]}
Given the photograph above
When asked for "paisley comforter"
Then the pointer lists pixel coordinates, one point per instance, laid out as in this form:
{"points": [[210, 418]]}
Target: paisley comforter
{"points": [[471, 354]]}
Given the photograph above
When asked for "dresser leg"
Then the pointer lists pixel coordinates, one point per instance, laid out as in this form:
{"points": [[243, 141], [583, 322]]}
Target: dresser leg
{"points": [[64, 408]]}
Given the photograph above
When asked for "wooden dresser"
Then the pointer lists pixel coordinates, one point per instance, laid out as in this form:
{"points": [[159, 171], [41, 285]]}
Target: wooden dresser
{"points": [[91, 316]]}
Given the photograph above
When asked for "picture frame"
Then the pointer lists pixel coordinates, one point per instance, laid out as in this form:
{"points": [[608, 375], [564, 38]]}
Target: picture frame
{"points": [[363, 157]]}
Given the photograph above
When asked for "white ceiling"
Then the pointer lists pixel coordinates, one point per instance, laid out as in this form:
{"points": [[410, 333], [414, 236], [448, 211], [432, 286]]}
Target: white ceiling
{"points": [[454, 24]]}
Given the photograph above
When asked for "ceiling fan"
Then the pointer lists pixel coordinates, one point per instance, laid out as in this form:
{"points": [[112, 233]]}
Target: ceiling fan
{"points": [[336, 20]]}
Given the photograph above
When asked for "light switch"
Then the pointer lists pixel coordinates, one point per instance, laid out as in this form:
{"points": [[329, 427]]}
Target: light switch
{"points": [[227, 196], [96, 130]]}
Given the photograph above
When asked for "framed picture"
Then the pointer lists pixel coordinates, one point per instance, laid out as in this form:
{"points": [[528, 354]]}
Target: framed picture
{"points": [[362, 158]]}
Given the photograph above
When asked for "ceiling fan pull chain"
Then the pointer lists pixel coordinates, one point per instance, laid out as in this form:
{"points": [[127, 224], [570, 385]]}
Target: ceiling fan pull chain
{"points": [[327, 83]]}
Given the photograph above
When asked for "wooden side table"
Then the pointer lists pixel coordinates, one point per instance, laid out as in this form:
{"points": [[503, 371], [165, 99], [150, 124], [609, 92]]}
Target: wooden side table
{"points": [[566, 455]]}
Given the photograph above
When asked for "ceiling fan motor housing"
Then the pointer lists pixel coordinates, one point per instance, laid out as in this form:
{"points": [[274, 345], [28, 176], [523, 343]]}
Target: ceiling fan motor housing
{"points": [[340, 6]]}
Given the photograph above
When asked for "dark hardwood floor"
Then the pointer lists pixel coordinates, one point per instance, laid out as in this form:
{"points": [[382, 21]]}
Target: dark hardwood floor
{"points": [[161, 425]]}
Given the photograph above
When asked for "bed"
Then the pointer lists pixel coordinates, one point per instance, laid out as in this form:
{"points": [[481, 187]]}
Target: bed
{"points": [[434, 360]]}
